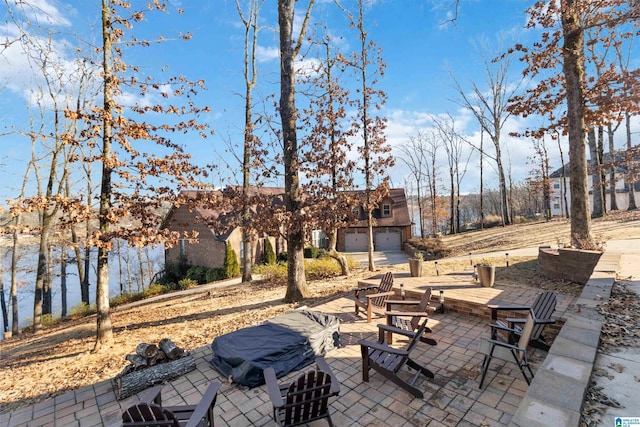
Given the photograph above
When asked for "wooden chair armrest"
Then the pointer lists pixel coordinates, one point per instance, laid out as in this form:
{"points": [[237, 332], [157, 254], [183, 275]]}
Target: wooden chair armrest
{"points": [[505, 345], [502, 328], [524, 319], [508, 307], [497, 307], [381, 294], [207, 401], [324, 367], [404, 302], [273, 388], [393, 329], [153, 395], [383, 347], [406, 313]]}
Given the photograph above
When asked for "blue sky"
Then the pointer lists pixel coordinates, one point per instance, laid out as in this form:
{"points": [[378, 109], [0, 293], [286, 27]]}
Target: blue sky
{"points": [[418, 47]]}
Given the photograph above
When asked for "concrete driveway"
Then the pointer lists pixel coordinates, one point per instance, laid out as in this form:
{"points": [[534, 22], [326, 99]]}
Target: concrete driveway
{"points": [[380, 258]]}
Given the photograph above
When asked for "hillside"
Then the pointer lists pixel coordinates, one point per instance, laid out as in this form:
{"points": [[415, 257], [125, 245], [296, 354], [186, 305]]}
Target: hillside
{"points": [[616, 225]]}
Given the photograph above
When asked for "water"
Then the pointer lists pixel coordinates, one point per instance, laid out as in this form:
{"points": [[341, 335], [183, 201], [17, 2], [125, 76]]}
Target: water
{"points": [[124, 272]]}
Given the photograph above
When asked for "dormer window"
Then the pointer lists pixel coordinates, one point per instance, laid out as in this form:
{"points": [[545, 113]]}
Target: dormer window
{"points": [[356, 211], [386, 210]]}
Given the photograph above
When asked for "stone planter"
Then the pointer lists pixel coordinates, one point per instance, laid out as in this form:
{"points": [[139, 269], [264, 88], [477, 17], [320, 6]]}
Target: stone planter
{"points": [[487, 275], [415, 267]]}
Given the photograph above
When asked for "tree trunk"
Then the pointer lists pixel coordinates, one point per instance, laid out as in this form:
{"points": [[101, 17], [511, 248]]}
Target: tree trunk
{"points": [[370, 247], [573, 54], [630, 165], [63, 279], [296, 281], [3, 304], [595, 175], [41, 271], [47, 298], [133, 382], [504, 205], [613, 202], [481, 180], [104, 330], [14, 280]]}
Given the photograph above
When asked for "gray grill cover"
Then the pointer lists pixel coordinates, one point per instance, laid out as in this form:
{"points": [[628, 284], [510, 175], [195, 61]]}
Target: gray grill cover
{"points": [[285, 343]]}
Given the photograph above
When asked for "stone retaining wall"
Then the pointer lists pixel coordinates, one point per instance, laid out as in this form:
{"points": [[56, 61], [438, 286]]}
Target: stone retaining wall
{"points": [[572, 265]]}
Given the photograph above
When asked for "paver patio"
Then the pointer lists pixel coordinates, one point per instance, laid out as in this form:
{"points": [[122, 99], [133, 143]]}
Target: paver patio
{"points": [[452, 398]]}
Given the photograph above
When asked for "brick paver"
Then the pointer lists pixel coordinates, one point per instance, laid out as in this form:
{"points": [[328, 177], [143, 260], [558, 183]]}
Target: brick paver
{"points": [[452, 398]]}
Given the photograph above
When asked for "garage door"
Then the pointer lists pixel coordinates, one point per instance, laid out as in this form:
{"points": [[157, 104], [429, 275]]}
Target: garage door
{"points": [[388, 241], [355, 242]]}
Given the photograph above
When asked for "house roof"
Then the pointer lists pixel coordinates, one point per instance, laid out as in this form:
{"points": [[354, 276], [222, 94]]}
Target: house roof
{"points": [[218, 205]]}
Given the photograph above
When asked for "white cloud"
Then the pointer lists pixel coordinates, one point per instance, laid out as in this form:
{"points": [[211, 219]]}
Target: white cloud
{"points": [[267, 54], [42, 12]]}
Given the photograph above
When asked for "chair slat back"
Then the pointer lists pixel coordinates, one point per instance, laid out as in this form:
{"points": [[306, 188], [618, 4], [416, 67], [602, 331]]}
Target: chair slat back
{"points": [[543, 307], [148, 414], [307, 398], [385, 286], [422, 307], [419, 332], [527, 332]]}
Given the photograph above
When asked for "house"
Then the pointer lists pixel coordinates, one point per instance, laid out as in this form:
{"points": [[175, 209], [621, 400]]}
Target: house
{"points": [[215, 227], [560, 186], [392, 225]]}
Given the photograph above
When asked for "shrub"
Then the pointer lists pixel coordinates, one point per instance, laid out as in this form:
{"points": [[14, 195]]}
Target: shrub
{"points": [[275, 273], [268, 255], [321, 268], [156, 289], [214, 274], [174, 271], [82, 309], [197, 274], [231, 267], [352, 263], [48, 320], [433, 247], [124, 299], [186, 284], [311, 252]]}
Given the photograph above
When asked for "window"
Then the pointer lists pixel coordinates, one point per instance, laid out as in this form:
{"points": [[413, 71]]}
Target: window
{"points": [[556, 186], [241, 250], [386, 210], [183, 247], [356, 211], [556, 206], [318, 239]]}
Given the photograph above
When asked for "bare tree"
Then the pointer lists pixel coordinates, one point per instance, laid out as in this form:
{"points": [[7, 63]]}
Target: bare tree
{"points": [[453, 144], [296, 282], [414, 155], [251, 29], [489, 106]]}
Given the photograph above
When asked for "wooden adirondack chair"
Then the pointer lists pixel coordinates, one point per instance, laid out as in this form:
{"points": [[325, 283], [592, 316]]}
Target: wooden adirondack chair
{"points": [[510, 352], [373, 298], [408, 319], [150, 412], [304, 400], [388, 360], [543, 307]]}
